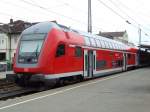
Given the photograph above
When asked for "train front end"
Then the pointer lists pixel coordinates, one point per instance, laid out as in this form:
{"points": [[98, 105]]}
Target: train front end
{"points": [[30, 61]]}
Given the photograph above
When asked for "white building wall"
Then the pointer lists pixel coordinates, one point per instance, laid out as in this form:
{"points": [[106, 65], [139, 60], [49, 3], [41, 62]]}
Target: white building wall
{"points": [[4, 44], [14, 43]]}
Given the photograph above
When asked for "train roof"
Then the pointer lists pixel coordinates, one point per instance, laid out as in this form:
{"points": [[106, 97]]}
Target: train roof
{"points": [[109, 43], [90, 39], [43, 27]]}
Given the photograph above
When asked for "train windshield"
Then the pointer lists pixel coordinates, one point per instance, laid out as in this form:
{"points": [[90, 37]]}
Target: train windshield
{"points": [[31, 44]]}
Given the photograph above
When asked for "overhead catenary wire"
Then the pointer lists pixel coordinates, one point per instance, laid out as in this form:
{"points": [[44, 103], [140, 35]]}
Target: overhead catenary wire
{"points": [[18, 6], [74, 7], [81, 11], [123, 11], [56, 13], [128, 8], [122, 17], [33, 3], [129, 17]]}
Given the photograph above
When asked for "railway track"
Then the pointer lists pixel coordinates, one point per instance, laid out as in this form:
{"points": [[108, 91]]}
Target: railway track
{"points": [[10, 90]]}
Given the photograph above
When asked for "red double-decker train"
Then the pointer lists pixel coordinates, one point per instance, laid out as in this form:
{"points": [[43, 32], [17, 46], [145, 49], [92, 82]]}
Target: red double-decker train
{"points": [[48, 52]]}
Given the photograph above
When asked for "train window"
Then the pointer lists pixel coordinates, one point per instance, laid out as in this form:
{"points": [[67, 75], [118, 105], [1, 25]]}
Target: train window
{"points": [[106, 44], [97, 42], [78, 51], [120, 63], [60, 50], [117, 63], [119, 46], [103, 44], [92, 41], [87, 41], [111, 46], [100, 64], [100, 43], [116, 47]]}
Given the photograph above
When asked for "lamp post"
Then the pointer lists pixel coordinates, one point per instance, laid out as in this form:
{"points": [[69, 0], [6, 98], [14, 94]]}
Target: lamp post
{"points": [[140, 38], [10, 25], [139, 31], [89, 17]]}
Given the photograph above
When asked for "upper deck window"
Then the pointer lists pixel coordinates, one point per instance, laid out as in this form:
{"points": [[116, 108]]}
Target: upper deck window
{"points": [[93, 42], [98, 43], [110, 44], [103, 44], [87, 41], [106, 44]]}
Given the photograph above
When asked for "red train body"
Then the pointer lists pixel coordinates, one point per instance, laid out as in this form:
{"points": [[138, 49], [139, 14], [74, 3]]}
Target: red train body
{"points": [[49, 51]]}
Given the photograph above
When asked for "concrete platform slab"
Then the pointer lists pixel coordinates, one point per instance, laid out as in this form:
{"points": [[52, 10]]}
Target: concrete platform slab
{"points": [[124, 92]]}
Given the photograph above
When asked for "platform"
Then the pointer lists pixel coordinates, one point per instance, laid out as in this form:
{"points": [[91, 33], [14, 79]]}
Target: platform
{"points": [[123, 92], [3, 74]]}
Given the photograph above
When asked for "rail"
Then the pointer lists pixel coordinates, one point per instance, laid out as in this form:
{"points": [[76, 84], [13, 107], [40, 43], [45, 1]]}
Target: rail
{"points": [[10, 90]]}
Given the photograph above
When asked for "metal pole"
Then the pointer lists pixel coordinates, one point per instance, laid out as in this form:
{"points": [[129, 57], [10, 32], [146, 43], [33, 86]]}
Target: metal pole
{"points": [[9, 48], [89, 17], [139, 44], [6, 52], [139, 38]]}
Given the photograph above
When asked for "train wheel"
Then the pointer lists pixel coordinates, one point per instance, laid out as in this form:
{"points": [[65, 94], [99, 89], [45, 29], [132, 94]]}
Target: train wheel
{"points": [[23, 81], [79, 78], [50, 83]]}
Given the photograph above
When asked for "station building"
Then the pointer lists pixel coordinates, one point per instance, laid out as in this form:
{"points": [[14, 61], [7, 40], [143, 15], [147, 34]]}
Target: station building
{"points": [[9, 36]]}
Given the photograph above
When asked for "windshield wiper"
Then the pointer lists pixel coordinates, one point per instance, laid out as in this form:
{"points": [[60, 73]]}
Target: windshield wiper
{"points": [[36, 51]]}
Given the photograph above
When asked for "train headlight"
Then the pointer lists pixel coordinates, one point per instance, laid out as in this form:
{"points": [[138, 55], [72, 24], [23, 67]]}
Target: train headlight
{"points": [[21, 60], [34, 60]]}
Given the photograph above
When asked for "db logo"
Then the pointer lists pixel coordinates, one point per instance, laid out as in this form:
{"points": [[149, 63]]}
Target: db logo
{"points": [[26, 69]]}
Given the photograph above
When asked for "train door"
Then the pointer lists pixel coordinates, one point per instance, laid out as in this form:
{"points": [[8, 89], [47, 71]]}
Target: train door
{"points": [[89, 63], [124, 61]]}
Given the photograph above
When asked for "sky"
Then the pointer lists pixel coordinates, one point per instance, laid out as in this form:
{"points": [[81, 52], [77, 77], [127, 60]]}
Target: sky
{"points": [[107, 15]]}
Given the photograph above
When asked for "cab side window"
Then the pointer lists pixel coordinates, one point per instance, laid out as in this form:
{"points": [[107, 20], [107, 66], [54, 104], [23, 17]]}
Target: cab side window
{"points": [[60, 50], [78, 51]]}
